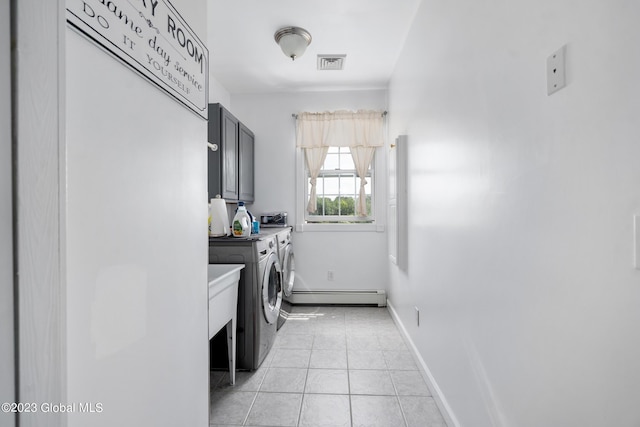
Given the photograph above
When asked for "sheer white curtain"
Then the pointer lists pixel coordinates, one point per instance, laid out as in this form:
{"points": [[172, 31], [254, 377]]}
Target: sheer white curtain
{"points": [[314, 157], [362, 157], [362, 131]]}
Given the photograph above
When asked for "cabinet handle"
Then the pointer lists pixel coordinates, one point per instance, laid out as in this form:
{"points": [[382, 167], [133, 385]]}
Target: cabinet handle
{"points": [[213, 147]]}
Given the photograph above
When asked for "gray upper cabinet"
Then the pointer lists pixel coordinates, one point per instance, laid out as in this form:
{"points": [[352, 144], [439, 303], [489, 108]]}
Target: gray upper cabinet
{"points": [[230, 156]]}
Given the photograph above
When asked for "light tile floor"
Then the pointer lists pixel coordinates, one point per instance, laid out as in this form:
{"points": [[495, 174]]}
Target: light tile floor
{"points": [[330, 366]]}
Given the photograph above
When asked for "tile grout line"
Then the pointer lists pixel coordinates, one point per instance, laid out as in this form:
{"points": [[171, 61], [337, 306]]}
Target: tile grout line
{"points": [[253, 401], [397, 396], [346, 349], [304, 386]]}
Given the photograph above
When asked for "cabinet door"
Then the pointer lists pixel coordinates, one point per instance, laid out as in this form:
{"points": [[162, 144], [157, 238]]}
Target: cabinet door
{"points": [[245, 177], [229, 134]]}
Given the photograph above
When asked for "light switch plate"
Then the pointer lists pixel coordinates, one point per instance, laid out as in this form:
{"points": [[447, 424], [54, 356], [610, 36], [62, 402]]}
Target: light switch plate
{"points": [[556, 76]]}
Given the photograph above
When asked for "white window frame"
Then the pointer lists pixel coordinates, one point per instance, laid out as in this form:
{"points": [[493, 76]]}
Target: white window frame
{"points": [[377, 199]]}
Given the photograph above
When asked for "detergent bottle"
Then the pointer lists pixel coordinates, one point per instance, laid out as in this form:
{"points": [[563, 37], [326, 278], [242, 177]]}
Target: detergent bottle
{"points": [[241, 226]]}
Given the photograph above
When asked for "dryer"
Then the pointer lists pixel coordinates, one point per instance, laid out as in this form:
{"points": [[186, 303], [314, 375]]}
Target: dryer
{"points": [[287, 261], [259, 293]]}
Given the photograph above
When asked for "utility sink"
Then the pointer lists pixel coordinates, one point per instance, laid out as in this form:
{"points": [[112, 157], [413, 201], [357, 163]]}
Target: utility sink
{"points": [[223, 303]]}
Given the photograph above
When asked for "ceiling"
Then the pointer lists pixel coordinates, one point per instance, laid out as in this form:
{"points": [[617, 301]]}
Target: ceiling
{"points": [[244, 57]]}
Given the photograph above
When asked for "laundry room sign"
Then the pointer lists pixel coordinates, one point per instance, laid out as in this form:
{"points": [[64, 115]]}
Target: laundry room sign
{"points": [[152, 38]]}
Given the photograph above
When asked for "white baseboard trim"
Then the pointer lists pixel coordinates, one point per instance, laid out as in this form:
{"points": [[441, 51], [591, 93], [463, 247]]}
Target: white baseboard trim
{"points": [[437, 394], [345, 297]]}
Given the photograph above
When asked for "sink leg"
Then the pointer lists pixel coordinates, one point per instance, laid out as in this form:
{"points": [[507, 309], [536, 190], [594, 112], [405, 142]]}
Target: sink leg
{"points": [[231, 346]]}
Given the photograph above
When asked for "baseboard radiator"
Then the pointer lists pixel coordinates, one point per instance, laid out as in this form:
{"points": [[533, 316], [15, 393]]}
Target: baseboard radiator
{"points": [[339, 297]]}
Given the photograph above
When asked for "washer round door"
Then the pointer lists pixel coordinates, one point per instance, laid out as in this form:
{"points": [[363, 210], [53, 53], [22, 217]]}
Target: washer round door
{"points": [[288, 271], [272, 289]]}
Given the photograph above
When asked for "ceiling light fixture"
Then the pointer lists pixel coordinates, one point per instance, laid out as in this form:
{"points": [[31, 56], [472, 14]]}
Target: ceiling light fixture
{"points": [[293, 41]]}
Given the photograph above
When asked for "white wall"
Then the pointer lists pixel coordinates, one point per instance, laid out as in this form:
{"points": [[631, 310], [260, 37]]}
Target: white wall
{"points": [[521, 208], [137, 339], [358, 259], [217, 92], [7, 382]]}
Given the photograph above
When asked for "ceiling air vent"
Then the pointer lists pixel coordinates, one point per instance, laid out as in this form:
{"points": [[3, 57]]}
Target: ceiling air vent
{"points": [[331, 62]]}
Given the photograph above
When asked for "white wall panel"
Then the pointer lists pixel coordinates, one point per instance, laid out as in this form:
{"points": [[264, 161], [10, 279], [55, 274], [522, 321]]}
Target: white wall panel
{"points": [[521, 209]]}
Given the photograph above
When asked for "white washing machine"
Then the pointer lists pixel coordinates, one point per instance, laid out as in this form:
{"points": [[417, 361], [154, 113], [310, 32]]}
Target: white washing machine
{"points": [[259, 293], [287, 261]]}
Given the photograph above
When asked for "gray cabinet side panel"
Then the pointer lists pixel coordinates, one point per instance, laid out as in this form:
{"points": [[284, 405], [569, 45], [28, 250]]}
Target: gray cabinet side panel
{"points": [[246, 164]]}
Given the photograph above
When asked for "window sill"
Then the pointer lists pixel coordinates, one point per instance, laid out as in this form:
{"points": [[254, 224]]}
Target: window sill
{"points": [[301, 228]]}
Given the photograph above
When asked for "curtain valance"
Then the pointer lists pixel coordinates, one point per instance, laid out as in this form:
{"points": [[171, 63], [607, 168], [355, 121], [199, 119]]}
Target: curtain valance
{"points": [[363, 128]]}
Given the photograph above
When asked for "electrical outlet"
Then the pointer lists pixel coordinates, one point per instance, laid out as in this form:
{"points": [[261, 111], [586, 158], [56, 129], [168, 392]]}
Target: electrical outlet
{"points": [[417, 316], [330, 275], [556, 71]]}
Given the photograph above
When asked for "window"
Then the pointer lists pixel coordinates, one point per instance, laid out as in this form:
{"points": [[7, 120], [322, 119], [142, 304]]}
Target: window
{"points": [[338, 189], [336, 154]]}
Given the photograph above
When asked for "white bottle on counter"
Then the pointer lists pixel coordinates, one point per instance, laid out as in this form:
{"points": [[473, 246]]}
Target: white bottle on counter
{"points": [[241, 226]]}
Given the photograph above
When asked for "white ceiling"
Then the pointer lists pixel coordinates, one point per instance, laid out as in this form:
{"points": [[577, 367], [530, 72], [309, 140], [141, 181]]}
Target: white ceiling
{"points": [[245, 58]]}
